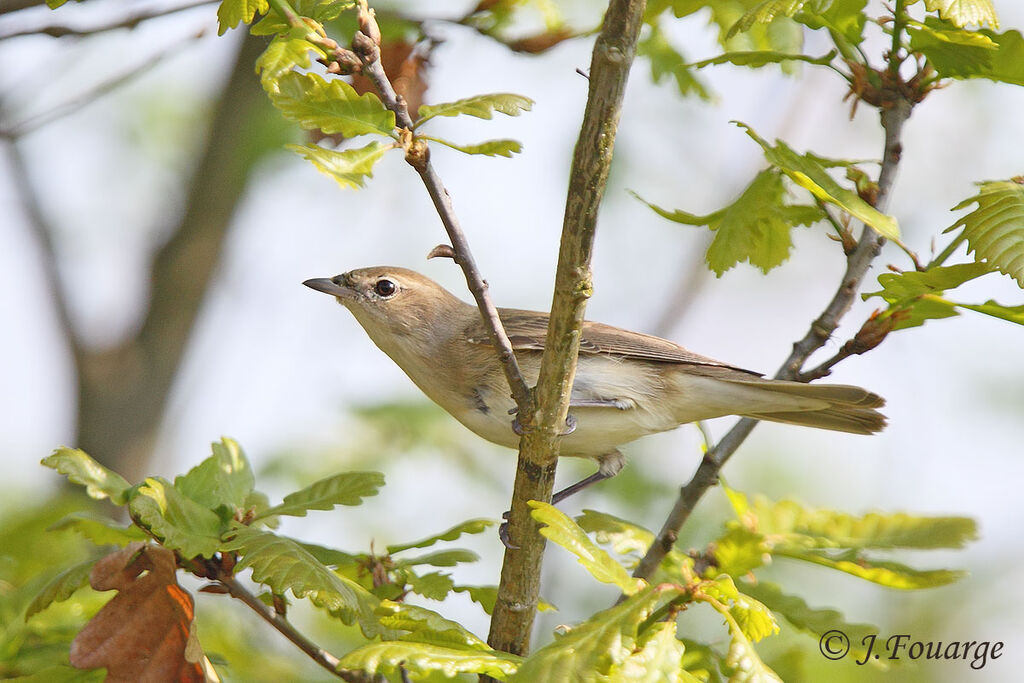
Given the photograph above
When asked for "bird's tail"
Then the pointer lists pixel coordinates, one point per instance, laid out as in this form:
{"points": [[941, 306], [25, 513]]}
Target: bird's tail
{"points": [[844, 408], [723, 391]]}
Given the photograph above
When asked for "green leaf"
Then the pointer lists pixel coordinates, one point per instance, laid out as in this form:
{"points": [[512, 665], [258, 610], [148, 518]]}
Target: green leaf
{"points": [[281, 56], [739, 551], [434, 586], [79, 468], [816, 622], [222, 482], [441, 558], [843, 17], [995, 229], [953, 52], [426, 626], [63, 674], [562, 530], [744, 665], [794, 523], [889, 574], [667, 62], [965, 12], [759, 58], [180, 523], [755, 620], [491, 148], [351, 167], [331, 106], [321, 11], [282, 564], [807, 172], [61, 587], [480, 106], [485, 596], [1015, 314], [347, 488], [624, 537], [332, 557], [958, 53], [657, 659], [590, 651], [917, 296], [100, 531], [754, 228], [232, 12], [765, 12], [473, 526], [422, 659]]}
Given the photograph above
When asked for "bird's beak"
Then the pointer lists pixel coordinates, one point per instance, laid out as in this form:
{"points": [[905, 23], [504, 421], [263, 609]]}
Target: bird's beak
{"points": [[329, 286]]}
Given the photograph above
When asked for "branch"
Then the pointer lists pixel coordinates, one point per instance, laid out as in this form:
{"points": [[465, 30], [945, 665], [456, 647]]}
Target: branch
{"points": [[857, 264], [516, 603], [366, 45], [319, 655]]}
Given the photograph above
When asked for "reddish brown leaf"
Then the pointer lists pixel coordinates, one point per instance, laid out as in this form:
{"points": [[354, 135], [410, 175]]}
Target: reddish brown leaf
{"points": [[541, 42], [145, 632]]}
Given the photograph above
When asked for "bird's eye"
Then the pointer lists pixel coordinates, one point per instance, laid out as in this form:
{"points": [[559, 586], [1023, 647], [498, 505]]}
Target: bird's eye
{"points": [[385, 288]]}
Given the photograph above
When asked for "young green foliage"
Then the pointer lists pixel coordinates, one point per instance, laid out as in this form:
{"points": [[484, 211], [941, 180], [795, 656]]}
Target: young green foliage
{"points": [[99, 482], [754, 228], [282, 564], [601, 647], [347, 488], [807, 171], [430, 643], [566, 533], [995, 229], [915, 297]]}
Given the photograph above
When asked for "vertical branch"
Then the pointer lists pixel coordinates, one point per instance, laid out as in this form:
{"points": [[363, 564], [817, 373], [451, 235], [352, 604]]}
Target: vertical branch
{"points": [[514, 611], [857, 265]]}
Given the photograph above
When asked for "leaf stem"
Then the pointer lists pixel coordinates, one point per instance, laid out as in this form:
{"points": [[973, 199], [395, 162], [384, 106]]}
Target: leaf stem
{"points": [[947, 252]]}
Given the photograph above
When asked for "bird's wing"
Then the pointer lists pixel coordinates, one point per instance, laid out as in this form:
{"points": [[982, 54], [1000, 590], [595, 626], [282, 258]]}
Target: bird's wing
{"points": [[528, 329]]}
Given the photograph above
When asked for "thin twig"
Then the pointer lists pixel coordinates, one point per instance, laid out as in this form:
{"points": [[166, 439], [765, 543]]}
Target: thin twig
{"points": [[858, 262], [368, 51], [319, 655], [59, 30]]}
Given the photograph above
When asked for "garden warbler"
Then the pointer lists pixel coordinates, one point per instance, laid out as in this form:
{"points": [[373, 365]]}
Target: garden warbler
{"points": [[627, 384]]}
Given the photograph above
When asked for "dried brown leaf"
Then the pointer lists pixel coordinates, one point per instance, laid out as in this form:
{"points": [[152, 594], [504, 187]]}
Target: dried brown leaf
{"points": [[145, 632]]}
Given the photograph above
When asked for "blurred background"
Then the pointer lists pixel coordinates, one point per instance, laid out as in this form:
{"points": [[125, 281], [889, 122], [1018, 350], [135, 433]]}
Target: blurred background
{"points": [[155, 236]]}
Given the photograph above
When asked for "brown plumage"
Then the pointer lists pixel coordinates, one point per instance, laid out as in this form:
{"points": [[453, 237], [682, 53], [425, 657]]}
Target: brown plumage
{"points": [[627, 384]]}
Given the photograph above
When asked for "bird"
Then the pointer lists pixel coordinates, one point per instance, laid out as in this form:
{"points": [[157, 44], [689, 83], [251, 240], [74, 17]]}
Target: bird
{"points": [[627, 384]]}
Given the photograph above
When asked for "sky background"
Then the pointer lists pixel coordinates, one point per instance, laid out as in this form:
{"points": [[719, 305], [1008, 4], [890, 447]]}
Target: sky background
{"points": [[281, 368]]}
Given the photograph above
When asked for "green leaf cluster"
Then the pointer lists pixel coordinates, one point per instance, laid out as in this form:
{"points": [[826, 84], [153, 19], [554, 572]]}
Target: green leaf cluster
{"points": [[757, 226], [723, 578], [994, 232], [332, 106]]}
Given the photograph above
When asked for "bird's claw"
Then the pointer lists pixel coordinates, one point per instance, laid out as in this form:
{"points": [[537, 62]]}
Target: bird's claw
{"points": [[517, 426], [570, 424], [503, 532]]}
